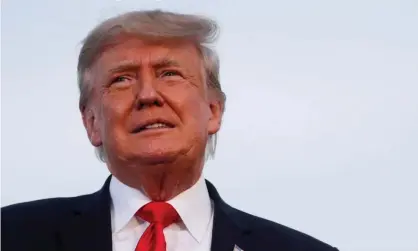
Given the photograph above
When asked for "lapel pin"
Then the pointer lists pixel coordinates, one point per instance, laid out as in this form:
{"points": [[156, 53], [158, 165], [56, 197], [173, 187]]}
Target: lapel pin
{"points": [[236, 248]]}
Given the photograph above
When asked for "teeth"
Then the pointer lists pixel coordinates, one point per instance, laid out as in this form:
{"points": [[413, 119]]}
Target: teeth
{"points": [[156, 125]]}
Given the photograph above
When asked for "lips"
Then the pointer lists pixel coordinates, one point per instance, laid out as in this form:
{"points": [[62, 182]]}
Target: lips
{"points": [[153, 125]]}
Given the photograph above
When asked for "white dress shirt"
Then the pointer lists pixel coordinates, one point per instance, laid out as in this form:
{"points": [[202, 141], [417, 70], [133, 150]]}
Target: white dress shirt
{"points": [[194, 206]]}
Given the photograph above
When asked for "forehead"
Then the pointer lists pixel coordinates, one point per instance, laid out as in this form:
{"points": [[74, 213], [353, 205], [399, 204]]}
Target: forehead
{"points": [[139, 52]]}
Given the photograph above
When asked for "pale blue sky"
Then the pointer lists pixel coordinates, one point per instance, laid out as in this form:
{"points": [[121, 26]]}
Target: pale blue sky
{"points": [[321, 126]]}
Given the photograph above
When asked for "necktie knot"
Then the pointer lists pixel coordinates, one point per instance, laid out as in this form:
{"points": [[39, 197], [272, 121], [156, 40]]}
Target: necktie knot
{"points": [[158, 213]]}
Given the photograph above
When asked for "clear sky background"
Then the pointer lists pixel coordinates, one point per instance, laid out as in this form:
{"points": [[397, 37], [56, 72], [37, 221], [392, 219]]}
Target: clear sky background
{"points": [[321, 126]]}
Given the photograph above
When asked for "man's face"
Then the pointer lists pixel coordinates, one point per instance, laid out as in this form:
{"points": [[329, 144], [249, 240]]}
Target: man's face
{"points": [[150, 102]]}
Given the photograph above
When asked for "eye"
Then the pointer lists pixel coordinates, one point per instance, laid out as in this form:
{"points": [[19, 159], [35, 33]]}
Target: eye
{"points": [[119, 79], [170, 73]]}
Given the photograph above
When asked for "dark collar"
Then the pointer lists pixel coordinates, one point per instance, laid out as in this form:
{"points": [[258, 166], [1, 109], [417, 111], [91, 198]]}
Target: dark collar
{"points": [[89, 226], [229, 228]]}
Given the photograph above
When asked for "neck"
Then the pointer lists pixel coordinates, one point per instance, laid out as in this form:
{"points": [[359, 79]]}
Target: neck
{"points": [[163, 181], [165, 186]]}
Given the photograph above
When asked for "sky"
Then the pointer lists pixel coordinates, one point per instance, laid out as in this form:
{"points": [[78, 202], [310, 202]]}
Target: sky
{"points": [[321, 126]]}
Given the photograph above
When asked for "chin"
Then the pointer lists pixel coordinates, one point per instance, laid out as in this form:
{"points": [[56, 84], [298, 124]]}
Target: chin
{"points": [[156, 156]]}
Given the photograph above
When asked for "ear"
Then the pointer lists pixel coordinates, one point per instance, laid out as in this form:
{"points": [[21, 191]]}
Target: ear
{"points": [[92, 128], [216, 112]]}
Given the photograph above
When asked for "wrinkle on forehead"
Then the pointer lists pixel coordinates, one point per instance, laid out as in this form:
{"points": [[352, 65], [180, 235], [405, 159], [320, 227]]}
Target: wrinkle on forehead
{"points": [[124, 51], [185, 55]]}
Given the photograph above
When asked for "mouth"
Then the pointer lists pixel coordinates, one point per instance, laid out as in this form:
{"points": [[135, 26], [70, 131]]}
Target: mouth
{"points": [[153, 126]]}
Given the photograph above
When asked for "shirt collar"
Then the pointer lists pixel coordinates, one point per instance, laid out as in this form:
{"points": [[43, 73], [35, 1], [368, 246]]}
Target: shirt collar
{"points": [[195, 209], [193, 205], [125, 203]]}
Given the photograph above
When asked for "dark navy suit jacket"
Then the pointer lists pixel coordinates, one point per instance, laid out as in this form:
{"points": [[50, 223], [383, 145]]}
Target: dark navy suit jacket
{"points": [[83, 224]]}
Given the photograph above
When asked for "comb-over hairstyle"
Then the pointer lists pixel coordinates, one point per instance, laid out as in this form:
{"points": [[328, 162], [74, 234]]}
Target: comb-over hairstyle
{"points": [[154, 26]]}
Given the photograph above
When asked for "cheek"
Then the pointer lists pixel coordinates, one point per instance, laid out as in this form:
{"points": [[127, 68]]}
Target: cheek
{"points": [[197, 112], [116, 110], [182, 96], [190, 104]]}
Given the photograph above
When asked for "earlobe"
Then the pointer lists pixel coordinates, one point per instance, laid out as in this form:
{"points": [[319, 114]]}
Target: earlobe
{"points": [[215, 117], [90, 123]]}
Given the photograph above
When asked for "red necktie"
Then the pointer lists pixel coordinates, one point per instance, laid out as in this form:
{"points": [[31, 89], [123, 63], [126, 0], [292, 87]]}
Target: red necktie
{"points": [[160, 215]]}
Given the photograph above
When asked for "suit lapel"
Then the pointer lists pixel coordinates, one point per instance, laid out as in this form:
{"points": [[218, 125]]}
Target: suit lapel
{"points": [[228, 231], [89, 225]]}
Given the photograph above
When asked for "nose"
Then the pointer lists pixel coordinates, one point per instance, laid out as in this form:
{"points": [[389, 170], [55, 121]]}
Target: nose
{"points": [[147, 94]]}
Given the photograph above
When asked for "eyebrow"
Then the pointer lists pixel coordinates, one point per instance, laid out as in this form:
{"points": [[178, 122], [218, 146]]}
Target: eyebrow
{"points": [[165, 62], [125, 66], [135, 65]]}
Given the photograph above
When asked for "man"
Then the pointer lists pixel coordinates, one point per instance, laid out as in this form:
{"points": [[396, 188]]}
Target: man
{"points": [[151, 103]]}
